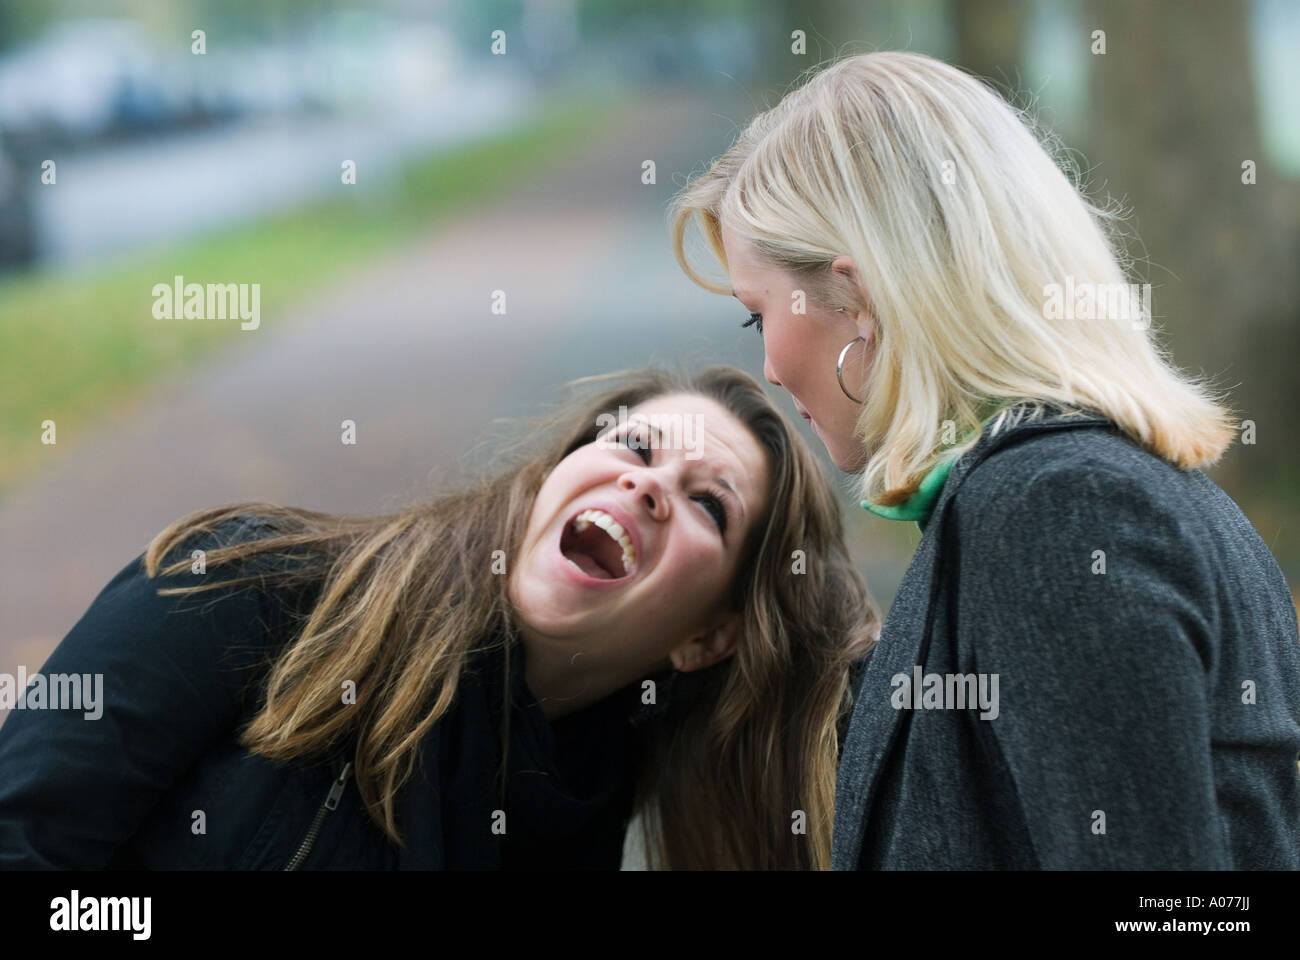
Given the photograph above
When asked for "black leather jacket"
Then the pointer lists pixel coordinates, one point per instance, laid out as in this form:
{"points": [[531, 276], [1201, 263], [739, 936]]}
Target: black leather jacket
{"points": [[158, 781]]}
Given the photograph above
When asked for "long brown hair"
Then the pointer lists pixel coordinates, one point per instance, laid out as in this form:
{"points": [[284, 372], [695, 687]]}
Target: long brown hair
{"points": [[748, 749]]}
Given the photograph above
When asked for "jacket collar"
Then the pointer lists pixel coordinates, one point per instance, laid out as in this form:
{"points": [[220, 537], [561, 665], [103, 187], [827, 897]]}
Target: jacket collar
{"points": [[920, 506], [1009, 428]]}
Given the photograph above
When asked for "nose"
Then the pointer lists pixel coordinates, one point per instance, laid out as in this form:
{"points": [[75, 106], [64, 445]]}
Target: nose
{"points": [[645, 488], [769, 373]]}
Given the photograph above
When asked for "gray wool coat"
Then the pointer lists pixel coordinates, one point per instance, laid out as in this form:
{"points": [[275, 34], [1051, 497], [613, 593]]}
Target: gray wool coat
{"points": [[1092, 663]]}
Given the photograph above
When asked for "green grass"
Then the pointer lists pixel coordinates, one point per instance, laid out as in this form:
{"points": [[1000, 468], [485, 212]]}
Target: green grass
{"points": [[73, 344]]}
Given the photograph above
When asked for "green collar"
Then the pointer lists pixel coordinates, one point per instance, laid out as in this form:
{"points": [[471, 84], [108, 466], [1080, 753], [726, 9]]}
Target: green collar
{"points": [[920, 504]]}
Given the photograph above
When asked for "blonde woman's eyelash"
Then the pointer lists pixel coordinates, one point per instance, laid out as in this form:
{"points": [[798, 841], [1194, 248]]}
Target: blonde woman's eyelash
{"points": [[754, 318]]}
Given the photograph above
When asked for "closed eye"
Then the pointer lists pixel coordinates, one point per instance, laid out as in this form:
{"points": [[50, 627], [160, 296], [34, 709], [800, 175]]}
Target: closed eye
{"points": [[754, 318]]}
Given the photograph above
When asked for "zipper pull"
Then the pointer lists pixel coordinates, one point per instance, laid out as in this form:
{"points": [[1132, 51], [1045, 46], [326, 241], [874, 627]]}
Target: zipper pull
{"points": [[336, 791]]}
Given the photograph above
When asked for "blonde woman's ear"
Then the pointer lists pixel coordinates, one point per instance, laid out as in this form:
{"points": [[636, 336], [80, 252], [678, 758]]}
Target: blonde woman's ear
{"points": [[709, 646], [844, 266]]}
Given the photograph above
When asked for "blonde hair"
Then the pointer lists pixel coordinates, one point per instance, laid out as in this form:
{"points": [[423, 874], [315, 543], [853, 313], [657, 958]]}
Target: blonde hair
{"points": [[957, 219]]}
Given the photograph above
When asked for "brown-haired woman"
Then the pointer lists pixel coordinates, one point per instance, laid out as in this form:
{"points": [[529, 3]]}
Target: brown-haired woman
{"points": [[632, 618]]}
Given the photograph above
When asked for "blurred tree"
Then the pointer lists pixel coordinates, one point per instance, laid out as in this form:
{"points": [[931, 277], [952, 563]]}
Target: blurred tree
{"points": [[827, 24], [1173, 120], [21, 21], [989, 34]]}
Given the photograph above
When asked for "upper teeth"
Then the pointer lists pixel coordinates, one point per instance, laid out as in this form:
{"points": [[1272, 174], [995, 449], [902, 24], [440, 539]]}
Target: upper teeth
{"points": [[611, 526]]}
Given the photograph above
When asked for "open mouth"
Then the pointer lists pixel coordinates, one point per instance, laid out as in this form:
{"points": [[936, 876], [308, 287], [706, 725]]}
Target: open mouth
{"points": [[597, 545]]}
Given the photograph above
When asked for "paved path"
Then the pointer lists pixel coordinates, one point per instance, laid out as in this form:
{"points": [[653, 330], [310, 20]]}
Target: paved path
{"points": [[407, 348]]}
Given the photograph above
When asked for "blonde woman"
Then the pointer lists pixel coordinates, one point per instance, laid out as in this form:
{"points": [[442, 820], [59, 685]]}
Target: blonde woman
{"points": [[496, 679], [1092, 660]]}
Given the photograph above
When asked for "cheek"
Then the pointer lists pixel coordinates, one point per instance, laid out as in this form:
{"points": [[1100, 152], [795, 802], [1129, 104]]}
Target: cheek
{"points": [[696, 565], [571, 475], [783, 353], [544, 505], [559, 486], [793, 356]]}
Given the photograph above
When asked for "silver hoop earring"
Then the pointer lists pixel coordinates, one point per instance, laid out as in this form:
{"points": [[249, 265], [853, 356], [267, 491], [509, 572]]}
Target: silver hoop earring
{"points": [[839, 368]]}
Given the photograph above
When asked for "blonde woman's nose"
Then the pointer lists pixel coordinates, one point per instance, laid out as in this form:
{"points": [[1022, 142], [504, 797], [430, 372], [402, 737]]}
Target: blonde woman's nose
{"points": [[769, 373]]}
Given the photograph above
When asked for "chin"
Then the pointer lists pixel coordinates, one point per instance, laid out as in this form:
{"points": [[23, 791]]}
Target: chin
{"points": [[854, 461]]}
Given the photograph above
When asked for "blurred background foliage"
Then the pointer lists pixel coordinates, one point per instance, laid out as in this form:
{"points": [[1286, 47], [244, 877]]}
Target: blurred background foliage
{"points": [[147, 135]]}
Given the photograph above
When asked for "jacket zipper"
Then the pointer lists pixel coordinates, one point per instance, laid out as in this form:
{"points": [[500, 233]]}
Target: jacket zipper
{"points": [[331, 802]]}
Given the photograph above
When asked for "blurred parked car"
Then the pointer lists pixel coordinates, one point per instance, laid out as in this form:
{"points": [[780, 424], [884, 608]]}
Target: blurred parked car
{"points": [[17, 245], [82, 79]]}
